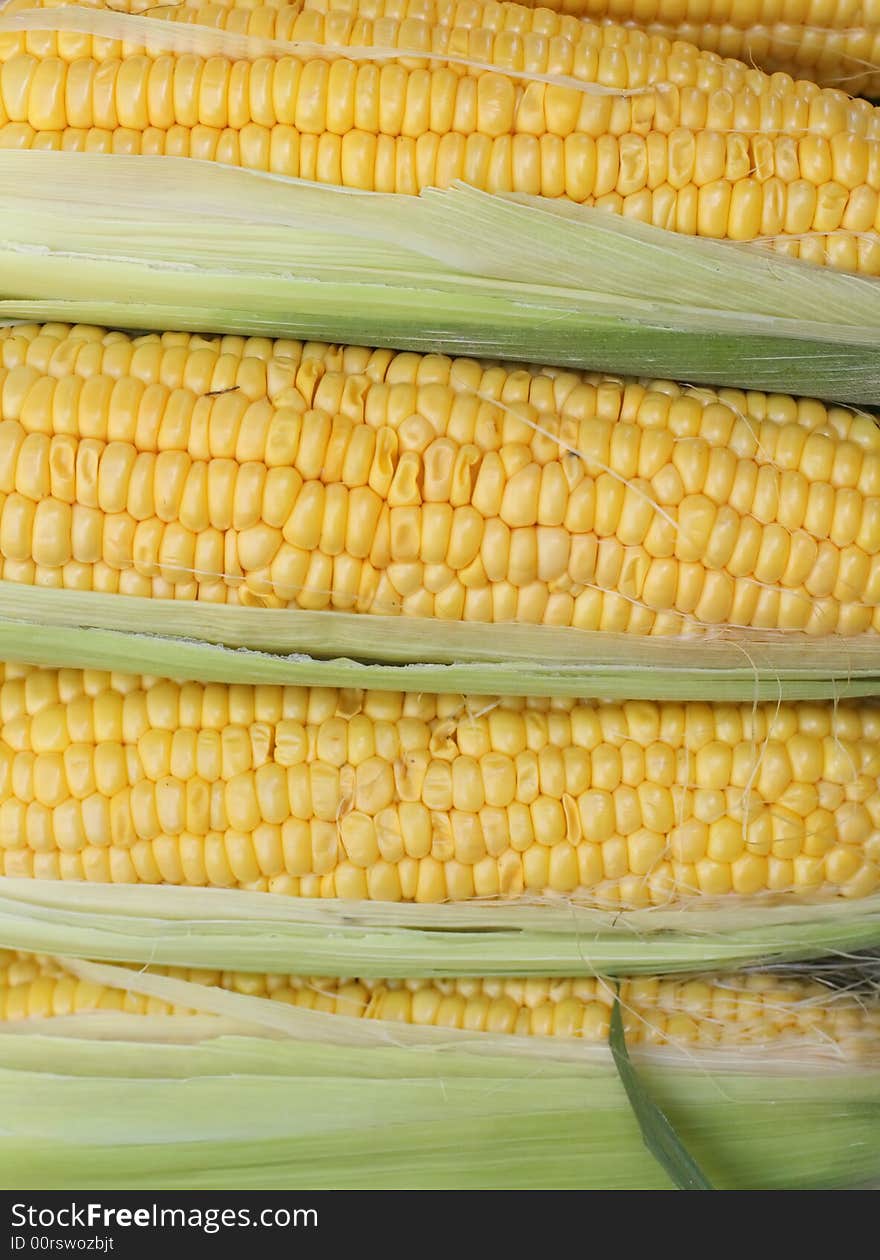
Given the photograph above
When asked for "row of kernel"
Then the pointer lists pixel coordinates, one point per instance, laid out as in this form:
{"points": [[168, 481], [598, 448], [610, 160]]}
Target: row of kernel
{"points": [[315, 581], [199, 364], [538, 41], [461, 449], [320, 95], [322, 582], [255, 464], [477, 725], [229, 862]]}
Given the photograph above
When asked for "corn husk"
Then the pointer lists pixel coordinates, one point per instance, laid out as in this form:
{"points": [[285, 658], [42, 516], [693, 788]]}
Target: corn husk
{"points": [[84, 238], [257, 1095], [238, 930], [291, 646]]}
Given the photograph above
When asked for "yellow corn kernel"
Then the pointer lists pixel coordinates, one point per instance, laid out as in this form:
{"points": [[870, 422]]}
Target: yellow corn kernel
{"points": [[389, 796], [495, 521]]}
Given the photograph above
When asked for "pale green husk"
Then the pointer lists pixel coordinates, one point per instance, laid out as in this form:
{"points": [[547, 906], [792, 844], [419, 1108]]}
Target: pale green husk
{"points": [[89, 237], [234, 929], [189, 639], [289, 1099]]}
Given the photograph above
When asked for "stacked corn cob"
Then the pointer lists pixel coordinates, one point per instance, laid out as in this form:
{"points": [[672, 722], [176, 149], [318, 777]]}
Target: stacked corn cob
{"points": [[527, 539]]}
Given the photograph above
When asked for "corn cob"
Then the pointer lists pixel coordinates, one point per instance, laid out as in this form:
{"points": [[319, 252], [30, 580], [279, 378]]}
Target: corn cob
{"points": [[283, 474], [836, 45], [738, 1010], [315, 792], [673, 136]]}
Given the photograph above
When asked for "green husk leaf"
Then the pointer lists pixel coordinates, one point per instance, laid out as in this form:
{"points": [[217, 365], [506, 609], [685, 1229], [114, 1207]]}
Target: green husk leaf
{"points": [[291, 646], [302, 1100], [244, 931], [657, 1133], [570, 285]]}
